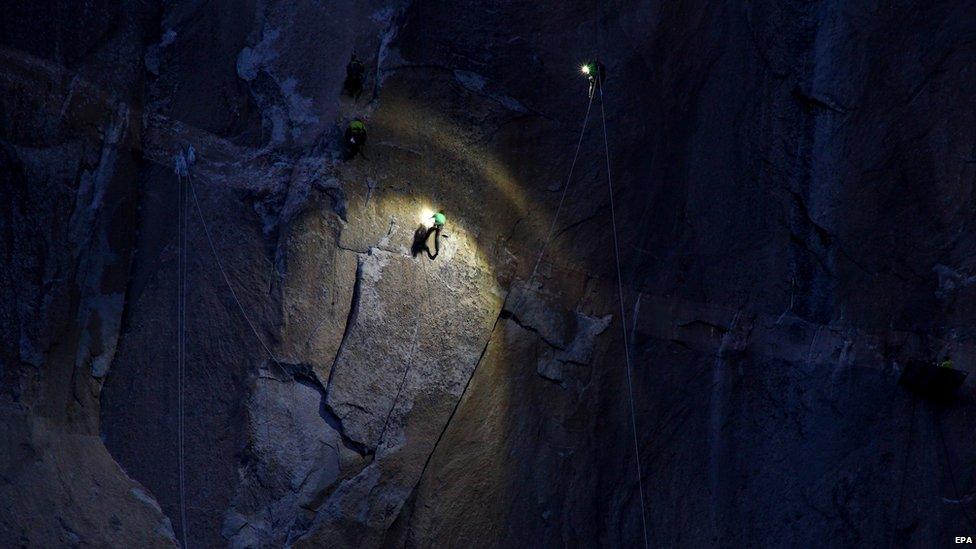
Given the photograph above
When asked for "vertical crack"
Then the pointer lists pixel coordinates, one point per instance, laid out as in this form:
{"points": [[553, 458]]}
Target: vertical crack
{"points": [[450, 418], [350, 322]]}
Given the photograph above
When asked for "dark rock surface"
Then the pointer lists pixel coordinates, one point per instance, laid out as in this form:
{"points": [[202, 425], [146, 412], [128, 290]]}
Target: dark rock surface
{"points": [[68, 168], [793, 195]]}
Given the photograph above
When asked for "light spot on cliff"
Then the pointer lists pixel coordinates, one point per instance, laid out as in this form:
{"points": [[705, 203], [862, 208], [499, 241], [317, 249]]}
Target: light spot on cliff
{"points": [[373, 266], [153, 57], [276, 115], [296, 108], [478, 84], [251, 60], [562, 365], [470, 80], [587, 328], [101, 339], [387, 15], [168, 38], [145, 498], [382, 15], [291, 442], [299, 107], [950, 280]]}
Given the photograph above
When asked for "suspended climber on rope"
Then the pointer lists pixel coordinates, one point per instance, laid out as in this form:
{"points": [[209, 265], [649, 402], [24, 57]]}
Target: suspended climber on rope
{"points": [[595, 74]]}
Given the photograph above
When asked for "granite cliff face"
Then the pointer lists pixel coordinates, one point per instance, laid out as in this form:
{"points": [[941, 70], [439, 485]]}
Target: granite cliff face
{"points": [[794, 201]]}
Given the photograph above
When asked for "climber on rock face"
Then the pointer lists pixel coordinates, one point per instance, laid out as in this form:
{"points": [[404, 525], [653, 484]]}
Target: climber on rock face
{"points": [[436, 228], [355, 72], [355, 137], [595, 73]]}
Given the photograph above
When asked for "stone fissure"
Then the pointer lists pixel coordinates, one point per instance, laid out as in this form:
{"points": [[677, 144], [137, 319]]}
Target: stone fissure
{"points": [[350, 318], [454, 410], [508, 315]]}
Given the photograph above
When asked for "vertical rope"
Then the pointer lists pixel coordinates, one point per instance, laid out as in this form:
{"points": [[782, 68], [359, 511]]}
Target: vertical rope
{"points": [[623, 318], [908, 458], [414, 347], [181, 350], [223, 273], [555, 217]]}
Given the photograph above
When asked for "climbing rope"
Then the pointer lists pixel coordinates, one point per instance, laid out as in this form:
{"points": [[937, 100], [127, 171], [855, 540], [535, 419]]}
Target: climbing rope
{"points": [[181, 346], [555, 217], [414, 347], [223, 273], [186, 190], [908, 457], [623, 317]]}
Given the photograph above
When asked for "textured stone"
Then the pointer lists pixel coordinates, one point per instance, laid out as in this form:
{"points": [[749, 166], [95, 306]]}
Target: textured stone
{"points": [[294, 455], [792, 199]]}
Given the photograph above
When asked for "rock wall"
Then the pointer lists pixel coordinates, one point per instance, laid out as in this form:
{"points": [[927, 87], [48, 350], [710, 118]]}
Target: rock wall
{"points": [[69, 163], [792, 197]]}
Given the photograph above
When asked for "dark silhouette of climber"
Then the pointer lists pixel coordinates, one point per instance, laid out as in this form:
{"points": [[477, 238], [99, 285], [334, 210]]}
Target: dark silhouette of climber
{"points": [[355, 138], [595, 73], [355, 75], [436, 228]]}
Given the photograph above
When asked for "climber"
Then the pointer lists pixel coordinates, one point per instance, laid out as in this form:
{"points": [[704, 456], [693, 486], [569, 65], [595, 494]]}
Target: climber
{"points": [[436, 228], [355, 72], [595, 72], [355, 137]]}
